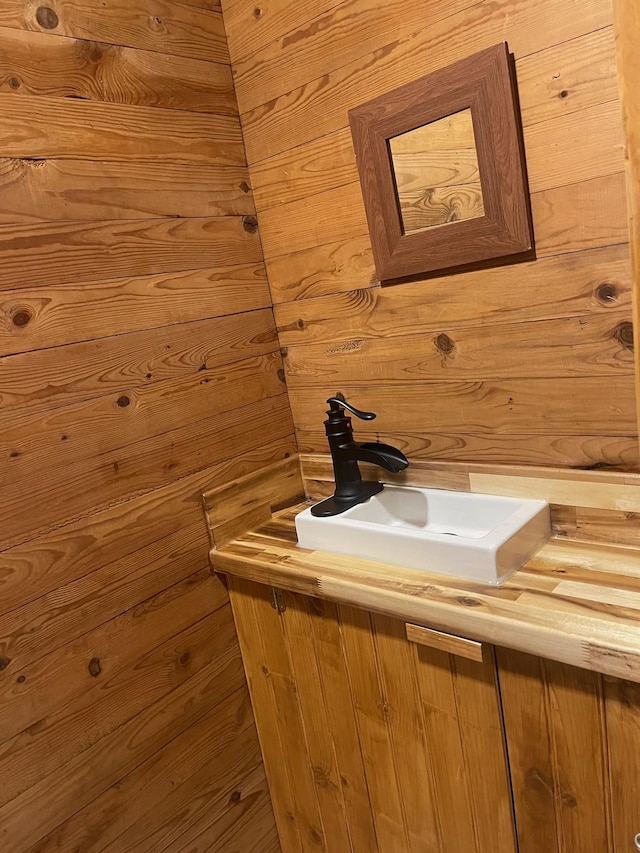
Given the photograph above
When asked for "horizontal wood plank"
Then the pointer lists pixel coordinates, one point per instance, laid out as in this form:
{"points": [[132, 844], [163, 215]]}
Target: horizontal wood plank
{"points": [[91, 485], [32, 755], [578, 216], [41, 128], [312, 98], [63, 253], [53, 680], [32, 319], [249, 32], [376, 33], [182, 29], [58, 190], [103, 427], [46, 379], [211, 759], [584, 406], [572, 451], [149, 732], [579, 346], [590, 281], [37, 63], [118, 533]]}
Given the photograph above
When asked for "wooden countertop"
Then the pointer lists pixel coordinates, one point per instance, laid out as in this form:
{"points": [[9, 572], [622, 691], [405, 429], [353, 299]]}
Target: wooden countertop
{"points": [[574, 602]]}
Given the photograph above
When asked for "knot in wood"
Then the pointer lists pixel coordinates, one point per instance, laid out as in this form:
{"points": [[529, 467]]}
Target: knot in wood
{"points": [[244, 186], [47, 18], [21, 317], [606, 293], [444, 344], [123, 401], [235, 796], [623, 333], [250, 224], [468, 602], [4, 662], [95, 667]]}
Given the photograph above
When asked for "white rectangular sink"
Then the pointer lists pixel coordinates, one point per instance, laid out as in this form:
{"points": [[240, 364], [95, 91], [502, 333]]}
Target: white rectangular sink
{"points": [[480, 537]]}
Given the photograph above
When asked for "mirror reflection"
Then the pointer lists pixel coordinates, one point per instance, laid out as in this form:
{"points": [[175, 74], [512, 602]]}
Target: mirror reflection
{"points": [[436, 173]]}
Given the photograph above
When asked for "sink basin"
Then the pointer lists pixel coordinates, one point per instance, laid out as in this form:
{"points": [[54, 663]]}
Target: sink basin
{"points": [[480, 537]]}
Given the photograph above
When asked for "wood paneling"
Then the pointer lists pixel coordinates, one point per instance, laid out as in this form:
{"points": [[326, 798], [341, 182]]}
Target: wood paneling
{"points": [[370, 743], [43, 64], [82, 189], [140, 368], [184, 29], [42, 128], [341, 330]]}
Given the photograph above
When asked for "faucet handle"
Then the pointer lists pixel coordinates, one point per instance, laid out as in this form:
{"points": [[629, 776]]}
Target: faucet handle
{"points": [[337, 403]]}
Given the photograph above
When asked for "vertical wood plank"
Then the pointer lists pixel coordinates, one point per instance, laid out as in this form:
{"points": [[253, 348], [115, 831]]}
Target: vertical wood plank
{"points": [[622, 704], [440, 713], [482, 737], [371, 712], [626, 20], [341, 718], [556, 739], [280, 728], [415, 781], [321, 753]]}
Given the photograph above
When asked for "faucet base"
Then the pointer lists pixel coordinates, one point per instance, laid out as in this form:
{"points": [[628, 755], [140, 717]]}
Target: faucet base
{"points": [[334, 506]]}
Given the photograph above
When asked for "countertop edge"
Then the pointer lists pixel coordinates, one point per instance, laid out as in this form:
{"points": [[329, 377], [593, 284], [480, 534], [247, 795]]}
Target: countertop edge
{"points": [[610, 646]]}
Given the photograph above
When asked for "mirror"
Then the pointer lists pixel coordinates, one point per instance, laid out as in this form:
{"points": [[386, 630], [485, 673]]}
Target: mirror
{"points": [[441, 167], [436, 173]]}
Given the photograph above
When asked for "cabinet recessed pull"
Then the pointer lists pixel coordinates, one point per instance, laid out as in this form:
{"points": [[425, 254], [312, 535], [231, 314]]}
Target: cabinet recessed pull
{"points": [[449, 643], [636, 841]]}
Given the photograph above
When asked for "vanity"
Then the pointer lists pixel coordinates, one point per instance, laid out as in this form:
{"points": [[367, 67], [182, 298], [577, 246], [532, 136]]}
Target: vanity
{"points": [[399, 710]]}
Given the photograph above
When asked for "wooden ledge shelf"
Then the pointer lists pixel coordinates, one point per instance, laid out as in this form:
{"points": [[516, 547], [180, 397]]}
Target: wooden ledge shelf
{"points": [[577, 603]]}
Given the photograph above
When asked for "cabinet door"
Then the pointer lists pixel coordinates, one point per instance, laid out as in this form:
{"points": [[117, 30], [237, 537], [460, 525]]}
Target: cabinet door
{"points": [[574, 749], [372, 742]]}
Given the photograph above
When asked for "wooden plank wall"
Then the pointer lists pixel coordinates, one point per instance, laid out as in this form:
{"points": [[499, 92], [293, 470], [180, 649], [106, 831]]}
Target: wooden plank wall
{"points": [[139, 367], [531, 363]]}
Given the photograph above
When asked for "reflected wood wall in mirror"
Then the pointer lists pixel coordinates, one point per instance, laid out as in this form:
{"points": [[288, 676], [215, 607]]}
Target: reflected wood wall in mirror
{"points": [[436, 173], [441, 167]]}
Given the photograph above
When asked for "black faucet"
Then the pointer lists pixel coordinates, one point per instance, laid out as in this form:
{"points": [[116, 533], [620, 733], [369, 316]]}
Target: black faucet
{"points": [[345, 454]]}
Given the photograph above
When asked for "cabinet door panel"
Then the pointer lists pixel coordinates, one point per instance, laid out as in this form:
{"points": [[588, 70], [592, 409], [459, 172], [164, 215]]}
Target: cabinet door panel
{"points": [[372, 744], [554, 718], [623, 735]]}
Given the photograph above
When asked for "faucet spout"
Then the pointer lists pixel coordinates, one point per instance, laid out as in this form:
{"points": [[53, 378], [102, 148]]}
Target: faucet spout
{"points": [[384, 455]]}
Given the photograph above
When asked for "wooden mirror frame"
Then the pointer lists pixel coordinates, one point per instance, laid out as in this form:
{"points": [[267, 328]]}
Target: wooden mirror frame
{"points": [[485, 84]]}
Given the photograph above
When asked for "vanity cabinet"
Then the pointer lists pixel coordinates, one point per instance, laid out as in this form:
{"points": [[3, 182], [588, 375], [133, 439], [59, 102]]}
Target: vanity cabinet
{"points": [[372, 741], [378, 736]]}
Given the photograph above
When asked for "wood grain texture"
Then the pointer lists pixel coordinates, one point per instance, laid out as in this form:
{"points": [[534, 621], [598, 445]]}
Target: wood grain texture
{"points": [[33, 319], [34, 190], [181, 29], [144, 371], [295, 87], [43, 128], [574, 217], [554, 721], [627, 31], [94, 251], [528, 612], [45, 64], [359, 683], [36, 381], [312, 105]]}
